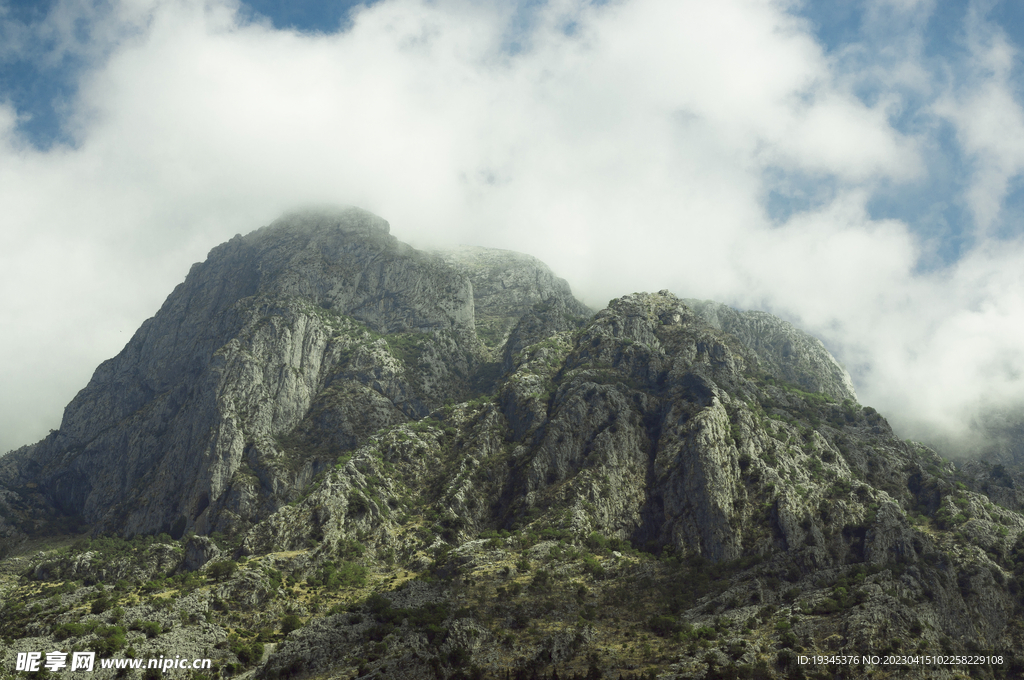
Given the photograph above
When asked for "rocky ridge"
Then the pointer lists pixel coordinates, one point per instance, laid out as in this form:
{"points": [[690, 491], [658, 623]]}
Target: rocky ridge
{"points": [[441, 465], [783, 349], [320, 323]]}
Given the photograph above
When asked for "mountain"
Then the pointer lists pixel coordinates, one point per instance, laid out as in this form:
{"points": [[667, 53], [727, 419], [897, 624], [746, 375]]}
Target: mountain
{"points": [[332, 455], [214, 413], [783, 350]]}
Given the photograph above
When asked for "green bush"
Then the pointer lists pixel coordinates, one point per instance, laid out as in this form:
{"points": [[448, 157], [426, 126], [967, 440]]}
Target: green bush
{"points": [[596, 541], [222, 570], [345, 575], [429, 614], [592, 566], [111, 639], [663, 626], [151, 628], [247, 653], [69, 630], [100, 605], [541, 581], [289, 623]]}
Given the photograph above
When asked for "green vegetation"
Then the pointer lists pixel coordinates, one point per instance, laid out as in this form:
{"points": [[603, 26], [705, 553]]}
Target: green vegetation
{"points": [[333, 577], [813, 485], [696, 577], [109, 639], [289, 623], [408, 347], [222, 570], [150, 628], [247, 652]]}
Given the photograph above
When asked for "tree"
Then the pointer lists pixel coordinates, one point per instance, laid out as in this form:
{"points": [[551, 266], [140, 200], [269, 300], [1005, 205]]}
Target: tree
{"points": [[222, 570], [289, 623]]}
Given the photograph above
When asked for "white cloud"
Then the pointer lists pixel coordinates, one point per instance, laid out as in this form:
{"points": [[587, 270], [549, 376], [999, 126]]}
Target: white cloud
{"points": [[630, 145], [988, 118]]}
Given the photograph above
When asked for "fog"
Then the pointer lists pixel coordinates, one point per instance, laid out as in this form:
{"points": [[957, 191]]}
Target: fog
{"points": [[867, 191]]}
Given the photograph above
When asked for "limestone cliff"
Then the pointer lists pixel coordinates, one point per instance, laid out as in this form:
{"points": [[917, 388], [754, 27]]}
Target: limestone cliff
{"points": [[284, 348], [781, 348], [508, 285], [442, 465]]}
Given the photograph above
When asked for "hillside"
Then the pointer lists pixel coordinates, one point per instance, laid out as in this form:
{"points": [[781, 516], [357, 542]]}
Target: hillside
{"points": [[332, 455]]}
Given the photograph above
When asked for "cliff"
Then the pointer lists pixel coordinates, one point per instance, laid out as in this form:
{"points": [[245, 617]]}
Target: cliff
{"points": [[380, 461]]}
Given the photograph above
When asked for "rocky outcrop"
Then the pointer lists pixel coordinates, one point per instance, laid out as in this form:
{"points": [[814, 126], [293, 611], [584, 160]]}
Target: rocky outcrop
{"points": [[647, 417], [199, 550], [441, 465], [507, 285], [650, 427], [781, 349], [285, 348]]}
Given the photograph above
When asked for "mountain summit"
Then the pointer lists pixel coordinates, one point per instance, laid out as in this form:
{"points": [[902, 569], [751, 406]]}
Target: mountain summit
{"points": [[443, 465], [320, 322]]}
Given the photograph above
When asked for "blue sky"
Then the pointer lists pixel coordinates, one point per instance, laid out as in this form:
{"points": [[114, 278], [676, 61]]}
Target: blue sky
{"points": [[855, 167], [41, 84]]}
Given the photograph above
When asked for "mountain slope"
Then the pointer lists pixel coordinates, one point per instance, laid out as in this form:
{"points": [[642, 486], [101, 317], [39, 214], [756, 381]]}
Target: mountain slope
{"points": [[783, 350], [321, 322], [441, 465]]}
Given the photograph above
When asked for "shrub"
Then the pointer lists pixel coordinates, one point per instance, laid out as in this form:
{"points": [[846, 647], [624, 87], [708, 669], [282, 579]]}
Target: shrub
{"points": [[69, 630], [378, 631], [110, 640], [289, 623], [151, 628], [430, 614], [592, 566], [541, 581], [346, 575], [596, 541], [247, 653], [222, 570], [663, 626], [100, 605]]}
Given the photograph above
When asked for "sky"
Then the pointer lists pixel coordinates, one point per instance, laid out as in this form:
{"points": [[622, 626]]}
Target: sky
{"points": [[856, 168]]}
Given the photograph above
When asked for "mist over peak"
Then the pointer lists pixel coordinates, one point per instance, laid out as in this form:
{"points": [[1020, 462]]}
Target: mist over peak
{"points": [[765, 156]]}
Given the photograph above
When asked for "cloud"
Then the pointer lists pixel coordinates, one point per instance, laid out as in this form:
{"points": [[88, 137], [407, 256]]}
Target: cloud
{"points": [[989, 120], [632, 145]]}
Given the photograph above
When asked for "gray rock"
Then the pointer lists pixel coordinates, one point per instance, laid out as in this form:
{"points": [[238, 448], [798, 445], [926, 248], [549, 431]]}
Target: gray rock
{"points": [[781, 349], [507, 285], [199, 550], [345, 405], [321, 322]]}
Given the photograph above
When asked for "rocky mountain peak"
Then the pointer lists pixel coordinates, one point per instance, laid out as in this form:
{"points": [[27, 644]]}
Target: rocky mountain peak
{"points": [[442, 465], [325, 219], [782, 349], [214, 412], [508, 285]]}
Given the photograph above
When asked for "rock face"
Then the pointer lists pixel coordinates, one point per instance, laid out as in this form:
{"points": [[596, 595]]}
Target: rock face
{"points": [[507, 285], [322, 322], [341, 413], [781, 348]]}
